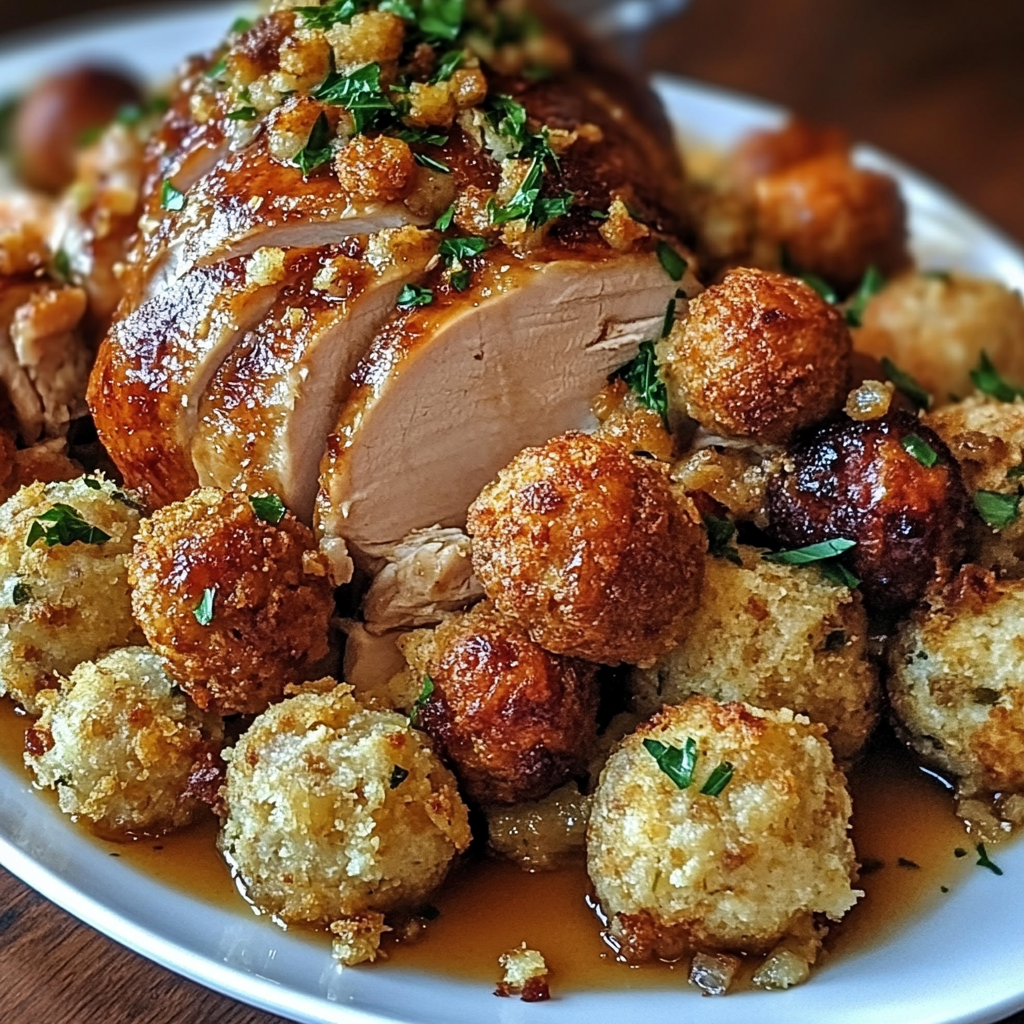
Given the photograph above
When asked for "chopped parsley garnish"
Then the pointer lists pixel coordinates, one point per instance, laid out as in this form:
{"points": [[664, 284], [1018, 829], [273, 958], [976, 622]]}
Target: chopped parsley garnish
{"points": [[678, 764], [412, 296], [92, 483], [318, 149], [398, 776], [218, 69], [426, 692], [441, 20], [673, 264], [426, 136], [509, 119], [240, 25], [444, 222], [718, 779], [917, 446], [268, 507], [243, 114], [453, 251], [642, 377], [360, 93], [63, 525], [128, 501], [527, 204], [721, 531], [812, 553], [988, 380], [431, 164], [598, 214], [338, 12], [1015, 473], [819, 284], [906, 384], [837, 573], [447, 66], [670, 318], [984, 862], [62, 265], [400, 7], [170, 198], [997, 510], [204, 610], [871, 284], [21, 594]]}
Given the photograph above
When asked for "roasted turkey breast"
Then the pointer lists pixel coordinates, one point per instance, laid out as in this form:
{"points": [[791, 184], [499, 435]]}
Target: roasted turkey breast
{"points": [[381, 251]]}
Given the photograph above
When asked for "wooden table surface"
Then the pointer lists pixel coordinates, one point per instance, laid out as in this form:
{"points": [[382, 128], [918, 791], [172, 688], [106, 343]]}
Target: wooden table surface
{"points": [[940, 84]]}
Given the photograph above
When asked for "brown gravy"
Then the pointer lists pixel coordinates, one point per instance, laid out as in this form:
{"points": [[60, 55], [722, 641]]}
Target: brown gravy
{"points": [[489, 907]]}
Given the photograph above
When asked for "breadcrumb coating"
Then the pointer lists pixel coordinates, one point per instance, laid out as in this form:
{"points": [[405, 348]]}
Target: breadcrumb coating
{"points": [[237, 605], [62, 605]]}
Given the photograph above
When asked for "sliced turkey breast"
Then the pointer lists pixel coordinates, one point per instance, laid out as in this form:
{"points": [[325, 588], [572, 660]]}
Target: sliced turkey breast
{"points": [[450, 393], [264, 420]]}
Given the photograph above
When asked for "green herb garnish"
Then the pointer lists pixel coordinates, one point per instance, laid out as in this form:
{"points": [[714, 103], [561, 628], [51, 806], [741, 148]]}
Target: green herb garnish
{"points": [[836, 572], [204, 610], [338, 12], [318, 149], [360, 93], [819, 284], [217, 70], [642, 377], [129, 502], [454, 251], [240, 25], [527, 204], [1015, 473], [398, 776], [92, 483], [431, 164], [441, 20], [997, 510], [718, 779], [444, 222], [871, 284], [906, 384], [268, 507], [673, 264], [721, 531], [447, 66], [402, 8], [243, 114], [424, 136], [984, 862], [670, 318], [812, 553], [63, 525], [988, 380], [426, 692], [21, 594], [170, 198], [678, 764], [412, 296], [62, 265], [915, 445]]}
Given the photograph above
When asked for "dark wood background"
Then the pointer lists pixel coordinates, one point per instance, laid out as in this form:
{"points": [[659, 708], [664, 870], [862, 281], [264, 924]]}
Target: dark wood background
{"points": [[939, 83]]}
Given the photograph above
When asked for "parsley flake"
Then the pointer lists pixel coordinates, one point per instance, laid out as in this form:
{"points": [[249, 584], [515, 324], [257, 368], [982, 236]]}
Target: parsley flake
{"points": [[425, 136], [871, 284], [62, 266], [360, 93], [997, 510], [240, 26], [338, 12], [642, 377], [906, 384], [426, 692], [204, 610], [170, 198], [268, 507], [527, 204], [836, 572], [673, 264], [447, 66], [1016, 472], [444, 222], [398, 776], [989, 381], [453, 251], [812, 553], [914, 444], [412, 296], [243, 114], [63, 525], [441, 20], [984, 862], [217, 70], [819, 284], [720, 531], [401, 8], [678, 764], [431, 164], [318, 149], [92, 483], [718, 779], [21, 594], [670, 318], [128, 501]]}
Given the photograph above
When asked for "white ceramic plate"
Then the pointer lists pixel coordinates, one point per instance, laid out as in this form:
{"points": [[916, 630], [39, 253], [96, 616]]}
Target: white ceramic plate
{"points": [[961, 962]]}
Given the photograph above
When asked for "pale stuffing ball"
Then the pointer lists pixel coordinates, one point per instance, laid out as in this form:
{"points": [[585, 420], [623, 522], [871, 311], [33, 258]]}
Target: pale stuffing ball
{"points": [[64, 597], [935, 327], [956, 683], [338, 815], [231, 591], [118, 742], [986, 436], [585, 546], [682, 870], [775, 636], [759, 355]]}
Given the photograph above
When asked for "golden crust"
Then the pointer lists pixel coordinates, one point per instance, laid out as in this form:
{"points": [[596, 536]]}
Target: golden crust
{"points": [[270, 606], [760, 355], [374, 169], [585, 546]]}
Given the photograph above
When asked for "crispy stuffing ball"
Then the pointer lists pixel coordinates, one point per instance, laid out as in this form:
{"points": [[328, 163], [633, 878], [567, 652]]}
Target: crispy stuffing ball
{"points": [[118, 742], [775, 636], [238, 605], [957, 684], [513, 720], [862, 481], [834, 219], [762, 153], [681, 871], [66, 603], [337, 815], [935, 327], [987, 438], [760, 355], [586, 547]]}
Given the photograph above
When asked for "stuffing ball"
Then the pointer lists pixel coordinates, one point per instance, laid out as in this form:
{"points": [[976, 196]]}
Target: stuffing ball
{"points": [[987, 438], [957, 682], [118, 742], [834, 219], [238, 605], [681, 871], [336, 814], [760, 355], [784, 637], [936, 326], [513, 720], [64, 598], [586, 547], [862, 481], [762, 153]]}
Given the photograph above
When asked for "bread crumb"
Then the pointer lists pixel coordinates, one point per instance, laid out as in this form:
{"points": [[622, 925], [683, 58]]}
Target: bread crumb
{"points": [[526, 975]]}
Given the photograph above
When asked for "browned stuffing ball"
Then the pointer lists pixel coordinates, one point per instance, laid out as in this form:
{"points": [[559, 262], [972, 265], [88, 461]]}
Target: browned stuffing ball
{"points": [[835, 219], [514, 721], [238, 606], [760, 355], [762, 153], [586, 547], [870, 482]]}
